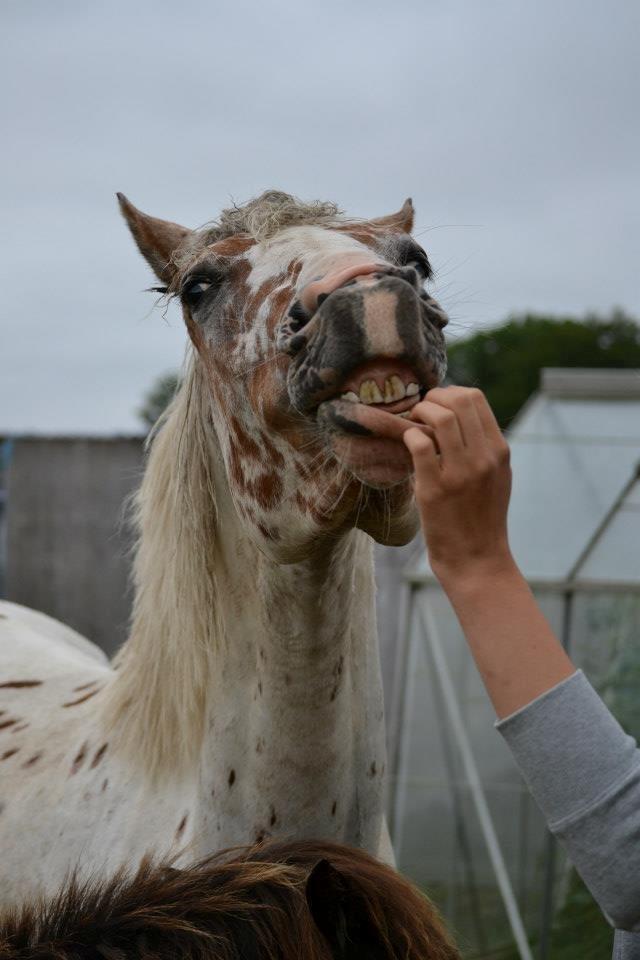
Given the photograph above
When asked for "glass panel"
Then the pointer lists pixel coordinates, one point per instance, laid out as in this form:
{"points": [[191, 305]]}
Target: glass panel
{"points": [[616, 555], [592, 420], [438, 839], [633, 500], [605, 643]]}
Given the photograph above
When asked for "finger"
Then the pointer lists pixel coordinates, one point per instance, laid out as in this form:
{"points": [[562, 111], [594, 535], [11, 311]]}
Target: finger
{"points": [[385, 424], [486, 416], [444, 422], [461, 401], [423, 453]]}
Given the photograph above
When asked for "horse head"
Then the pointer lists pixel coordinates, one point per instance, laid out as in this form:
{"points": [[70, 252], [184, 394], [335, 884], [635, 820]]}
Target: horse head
{"points": [[307, 328]]}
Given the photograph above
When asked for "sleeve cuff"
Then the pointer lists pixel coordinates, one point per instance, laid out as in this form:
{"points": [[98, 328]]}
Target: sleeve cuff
{"points": [[570, 749]]}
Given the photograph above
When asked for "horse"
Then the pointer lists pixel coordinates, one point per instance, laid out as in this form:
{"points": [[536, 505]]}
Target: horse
{"points": [[302, 900], [247, 701]]}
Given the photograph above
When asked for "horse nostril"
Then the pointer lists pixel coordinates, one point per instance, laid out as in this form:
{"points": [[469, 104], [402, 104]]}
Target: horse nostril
{"points": [[299, 316], [321, 298]]}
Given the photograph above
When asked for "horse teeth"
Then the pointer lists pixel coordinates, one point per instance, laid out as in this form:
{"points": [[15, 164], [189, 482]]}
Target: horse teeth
{"points": [[393, 389], [412, 389], [349, 395], [370, 392]]}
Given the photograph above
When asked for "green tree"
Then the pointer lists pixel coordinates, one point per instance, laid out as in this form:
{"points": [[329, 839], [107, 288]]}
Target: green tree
{"points": [[158, 397], [505, 361]]}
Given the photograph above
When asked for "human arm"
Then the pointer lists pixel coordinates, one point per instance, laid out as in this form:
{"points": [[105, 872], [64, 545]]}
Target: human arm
{"points": [[582, 769], [462, 486]]}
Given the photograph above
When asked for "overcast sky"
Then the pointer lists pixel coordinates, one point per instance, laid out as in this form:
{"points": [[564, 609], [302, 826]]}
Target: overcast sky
{"points": [[513, 125]]}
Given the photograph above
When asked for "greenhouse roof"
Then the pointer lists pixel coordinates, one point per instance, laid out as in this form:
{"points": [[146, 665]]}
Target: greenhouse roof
{"points": [[575, 508]]}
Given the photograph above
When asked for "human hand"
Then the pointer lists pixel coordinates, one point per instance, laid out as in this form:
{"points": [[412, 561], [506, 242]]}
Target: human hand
{"points": [[462, 483]]}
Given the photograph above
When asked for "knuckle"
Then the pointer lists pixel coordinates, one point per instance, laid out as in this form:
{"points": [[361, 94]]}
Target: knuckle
{"points": [[484, 466], [463, 397], [421, 444], [504, 453], [447, 416]]}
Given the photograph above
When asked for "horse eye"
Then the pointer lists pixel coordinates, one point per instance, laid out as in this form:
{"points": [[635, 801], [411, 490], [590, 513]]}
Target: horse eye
{"points": [[422, 265], [194, 290]]}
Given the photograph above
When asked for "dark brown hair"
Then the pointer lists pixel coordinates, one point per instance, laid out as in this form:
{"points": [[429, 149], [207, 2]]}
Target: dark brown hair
{"points": [[302, 900]]}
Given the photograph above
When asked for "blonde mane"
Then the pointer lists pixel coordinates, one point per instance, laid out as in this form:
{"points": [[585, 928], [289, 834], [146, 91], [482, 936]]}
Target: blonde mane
{"points": [[157, 699]]}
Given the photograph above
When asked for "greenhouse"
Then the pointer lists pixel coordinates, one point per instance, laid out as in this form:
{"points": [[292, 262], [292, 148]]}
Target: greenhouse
{"points": [[464, 826]]}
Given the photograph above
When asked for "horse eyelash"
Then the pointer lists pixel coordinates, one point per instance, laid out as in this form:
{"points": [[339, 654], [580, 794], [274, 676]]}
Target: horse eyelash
{"points": [[157, 290]]}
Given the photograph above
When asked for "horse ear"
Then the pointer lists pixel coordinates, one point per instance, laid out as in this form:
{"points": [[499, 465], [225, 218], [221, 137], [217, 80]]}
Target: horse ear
{"points": [[341, 914], [157, 239], [402, 220]]}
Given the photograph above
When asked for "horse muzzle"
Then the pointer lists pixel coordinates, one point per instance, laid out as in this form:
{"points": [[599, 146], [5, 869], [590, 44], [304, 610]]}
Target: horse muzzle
{"points": [[377, 342]]}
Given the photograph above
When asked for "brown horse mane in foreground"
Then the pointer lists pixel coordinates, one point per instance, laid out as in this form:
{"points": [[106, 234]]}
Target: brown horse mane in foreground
{"points": [[277, 901]]}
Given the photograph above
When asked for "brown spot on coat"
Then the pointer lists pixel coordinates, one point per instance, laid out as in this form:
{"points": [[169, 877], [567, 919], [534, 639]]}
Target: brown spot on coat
{"points": [[104, 785], [19, 684], [84, 686], [373, 769], [79, 759], [181, 826], [294, 268], [99, 755], [32, 760], [254, 303], [334, 807], [21, 726], [9, 753], [280, 301], [87, 696], [232, 777], [232, 246], [7, 723], [245, 444], [273, 818], [267, 490], [269, 533], [272, 454]]}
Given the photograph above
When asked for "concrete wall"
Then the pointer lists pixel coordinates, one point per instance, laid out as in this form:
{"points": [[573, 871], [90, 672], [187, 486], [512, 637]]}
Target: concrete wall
{"points": [[66, 551]]}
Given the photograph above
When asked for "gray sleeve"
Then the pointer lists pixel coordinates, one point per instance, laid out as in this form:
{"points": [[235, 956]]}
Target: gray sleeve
{"points": [[584, 773]]}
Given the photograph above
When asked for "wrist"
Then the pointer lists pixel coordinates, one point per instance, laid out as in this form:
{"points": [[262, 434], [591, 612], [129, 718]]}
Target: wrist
{"points": [[477, 575]]}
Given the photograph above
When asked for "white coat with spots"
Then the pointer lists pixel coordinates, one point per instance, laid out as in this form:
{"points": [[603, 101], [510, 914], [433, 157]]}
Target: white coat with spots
{"points": [[247, 701]]}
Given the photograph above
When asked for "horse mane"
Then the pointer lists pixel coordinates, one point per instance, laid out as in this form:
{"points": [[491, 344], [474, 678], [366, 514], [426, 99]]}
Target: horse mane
{"points": [[156, 699], [304, 900], [259, 218]]}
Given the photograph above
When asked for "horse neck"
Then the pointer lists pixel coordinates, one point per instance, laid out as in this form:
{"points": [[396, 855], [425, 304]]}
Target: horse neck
{"points": [[259, 680], [294, 736]]}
